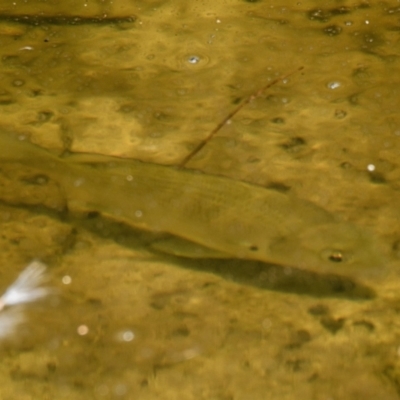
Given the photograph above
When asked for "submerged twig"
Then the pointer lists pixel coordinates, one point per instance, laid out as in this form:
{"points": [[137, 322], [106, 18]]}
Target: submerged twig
{"points": [[36, 20], [232, 114]]}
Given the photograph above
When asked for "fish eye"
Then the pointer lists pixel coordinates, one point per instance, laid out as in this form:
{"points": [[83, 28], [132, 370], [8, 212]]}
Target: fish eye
{"points": [[253, 247], [335, 256]]}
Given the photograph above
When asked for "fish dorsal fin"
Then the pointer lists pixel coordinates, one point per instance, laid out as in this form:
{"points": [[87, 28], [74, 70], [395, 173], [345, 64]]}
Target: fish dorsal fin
{"points": [[184, 248], [92, 158]]}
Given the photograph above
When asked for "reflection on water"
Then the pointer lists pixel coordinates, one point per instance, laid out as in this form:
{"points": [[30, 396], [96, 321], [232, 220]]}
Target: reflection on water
{"points": [[132, 322]]}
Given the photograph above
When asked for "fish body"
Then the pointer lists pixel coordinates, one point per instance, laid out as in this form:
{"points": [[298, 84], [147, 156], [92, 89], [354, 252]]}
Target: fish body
{"points": [[235, 218]]}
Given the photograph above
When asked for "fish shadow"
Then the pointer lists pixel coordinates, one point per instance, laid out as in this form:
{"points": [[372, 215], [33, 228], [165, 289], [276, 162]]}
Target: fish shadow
{"points": [[246, 272], [281, 279]]}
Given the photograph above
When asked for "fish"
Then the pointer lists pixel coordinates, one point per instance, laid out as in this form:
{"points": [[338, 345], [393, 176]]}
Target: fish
{"points": [[233, 219]]}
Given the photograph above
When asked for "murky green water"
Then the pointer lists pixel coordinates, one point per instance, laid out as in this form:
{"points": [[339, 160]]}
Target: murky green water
{"points": [[128, 322]]}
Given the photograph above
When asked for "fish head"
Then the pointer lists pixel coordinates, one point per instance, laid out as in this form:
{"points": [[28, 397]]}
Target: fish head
{"points": [[336, 248]]}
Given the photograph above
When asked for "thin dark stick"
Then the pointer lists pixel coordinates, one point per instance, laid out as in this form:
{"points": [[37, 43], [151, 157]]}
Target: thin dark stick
{"points": [[232, 114], [36, 20]]}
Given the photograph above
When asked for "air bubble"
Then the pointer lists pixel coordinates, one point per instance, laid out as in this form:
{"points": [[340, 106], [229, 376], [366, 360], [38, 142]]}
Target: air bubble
{"points": [[18, 82], [334, 85], [125, 336], [193, 59], [79, 182], [82, 330], [120, 389]]}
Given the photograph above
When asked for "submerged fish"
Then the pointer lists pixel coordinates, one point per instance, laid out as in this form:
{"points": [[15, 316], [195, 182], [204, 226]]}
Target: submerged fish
{"points": [[232, 218]]}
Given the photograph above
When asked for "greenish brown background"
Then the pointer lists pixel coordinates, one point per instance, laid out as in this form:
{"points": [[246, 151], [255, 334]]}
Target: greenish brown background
{"points": [[226, 330]]}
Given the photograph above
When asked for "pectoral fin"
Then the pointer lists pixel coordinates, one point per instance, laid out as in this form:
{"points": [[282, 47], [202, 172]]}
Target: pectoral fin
{"points": [[184, 248]]}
